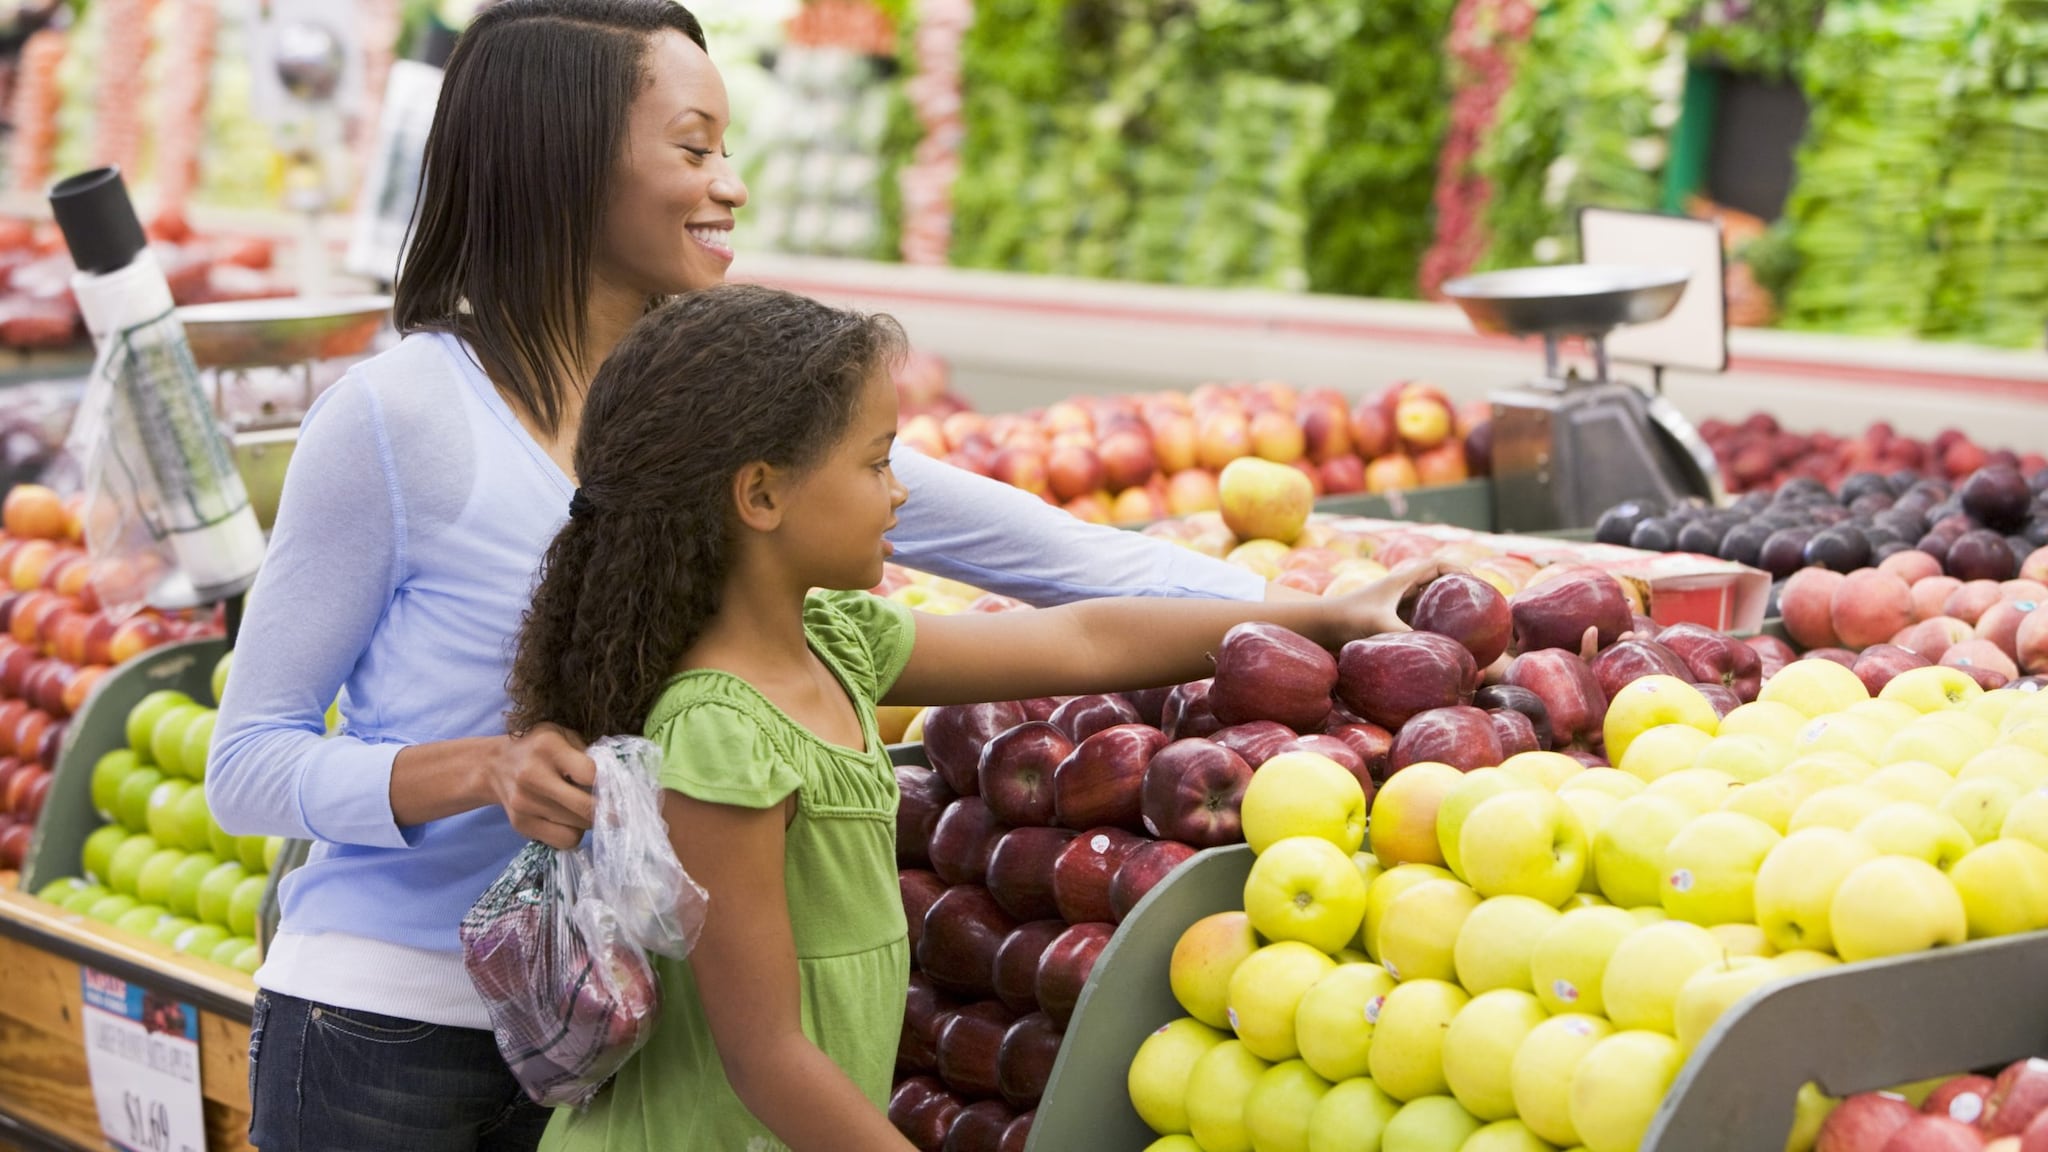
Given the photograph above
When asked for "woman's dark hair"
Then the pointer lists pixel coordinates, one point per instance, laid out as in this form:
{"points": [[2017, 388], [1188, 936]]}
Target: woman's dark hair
{"points": [[701, 387], [518, 167]]}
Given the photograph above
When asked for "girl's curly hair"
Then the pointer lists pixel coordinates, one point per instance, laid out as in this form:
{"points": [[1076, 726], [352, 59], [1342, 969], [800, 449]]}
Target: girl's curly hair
{"points": [[701, 387]]}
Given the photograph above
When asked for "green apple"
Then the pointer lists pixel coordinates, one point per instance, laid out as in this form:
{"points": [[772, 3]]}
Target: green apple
{"points": [[108, 909], [1619, 1085], [1828, 769], [251, 958], [2026, 767], [1203, 960], [58, 891], [1643, 976], [1524, 844], [1266, 991], [1774, 721], [1700, 789], [233, 946], [1351, 1117], [1158, 1079], [140, 919], [1380, 897], [1662, 750], [1772, 801], [142, 719], [198, 744], [1333, 1024], [1218, 1085], [220, 677], [1407, 1057], [2026, 819], [273, 847], [217, 891], [1569, 959], [1276, 1114], [167, 740], [2004, 887], [1843, 807], [1612, 781], [1479, 1050], [1746, 758], [1418, 938], [1404, 813], [1303, 794], [1814, 688], [1593, 808], [1894, 905], [1903, 829], [131, 803], [246, 903], [185, 881], [1710, 868], [1305, 888], [200, 939], [86, 897], [192, 820], [250, 850], [1628, 851], [218, 841], [1980, 806], [1913, 781], [1551, 770], [1478, 785], [1651, 702], [1743, 940], [100, 848], [169, 928], [1541, 1074], [108, 773], [1429, 1124], [1933, 689], [1369, 868], [153, 882], [1496, 941], [1713, 990], [1810, 1110], [1889, 715], [125, 866], [162, 815], [1506, 1136]]}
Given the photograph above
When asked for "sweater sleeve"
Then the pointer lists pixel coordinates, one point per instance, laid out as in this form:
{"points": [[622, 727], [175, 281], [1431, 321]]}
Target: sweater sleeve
{"points": [[1004, 539], [337, 554]]}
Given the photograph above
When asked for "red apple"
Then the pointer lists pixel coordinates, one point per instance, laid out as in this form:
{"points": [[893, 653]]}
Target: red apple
{"points": [[961, 934], [1082, 874], [969, 1040], [967, 832], [1063, 969], [1461, 736], [1038, 708], [1880, 662], [1083, 716], [1716, 658], [1388, 678], [1863, 1123], [1629, 661], [978, 1128], [1934, 1134], [924, 1111], [1265, 672], [1468, 610], [1016, 970], [1187, 713], [1102, 781], [1017, 1136], [920, 890], [1373, 744], [1334, 748], [1499, 697], [1343, 475], [1128, 459], [922, 799], [1025, 1062], [1150, 703], [924, 1010], [1961, 1098], [1020, 871], [1192, 793], [955, 734], [1016, 770], [1842, 656], [2018, 1095], [1513, 732], [14, 842], [1773, 652], [1722, 697], [1570, 693], [1073, 470], [1141, 871], [1257, 741], [1559, 612]]}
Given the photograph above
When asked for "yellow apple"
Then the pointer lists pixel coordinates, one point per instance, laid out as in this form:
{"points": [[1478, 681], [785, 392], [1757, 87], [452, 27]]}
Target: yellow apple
{"points": [[1385, 888], [1304, 794], [1814, 688], [1407, 1057], [1994, 707], [1505, 1136], [2031, 735], [1773, 801], [1524, 844], [2027, 819], [1843, 806], [1480, 1047], [1700, 789], [1219, 1084], [1913, 781], [1648, 968], [1158, 1079], [1628, 851], [1652, 701], [1593, 808], [2004, 886], [1478, 785], [1746, 758], [1620, 1084], [1743, 940], [1266, 990], [1932, 689], [1847, 732], [1305, 888], [1277, 1112], [1946, 740], [1804, 961], [1333, 1024], [1662, 750], [1261, 500], [1496, 941], [1710, 868], [1649, 914], [2023, 766], [1552, 770], [1418, 939], [1774, 721], [1204, 959], [1980, 806], [1178, 1142], [1404, 813], [1890, 715], [1429, 1124], [1810, 1110], [1352, 956], [1713, 990], [1541, 1074], [1910, 830], [1569, 959], [1795, 888], [1611, 781], [1369, 868], [1351, 1117], [1828, 769], [1894, 905]]}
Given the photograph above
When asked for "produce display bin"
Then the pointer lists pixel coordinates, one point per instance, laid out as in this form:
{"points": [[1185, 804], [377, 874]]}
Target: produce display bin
{"points": [[1466, 505]]}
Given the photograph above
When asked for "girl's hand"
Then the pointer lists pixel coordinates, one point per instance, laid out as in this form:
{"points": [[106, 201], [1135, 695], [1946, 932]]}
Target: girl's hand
{"points": [[1376, 608]]}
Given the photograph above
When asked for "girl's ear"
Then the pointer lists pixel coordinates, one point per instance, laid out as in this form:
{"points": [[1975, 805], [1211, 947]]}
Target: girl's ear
{"points": [[760, 495]]}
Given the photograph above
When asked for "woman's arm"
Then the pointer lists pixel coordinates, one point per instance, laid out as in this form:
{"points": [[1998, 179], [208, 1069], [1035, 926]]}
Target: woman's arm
{"points": [[746, 970], [1004, 539], [1119, 644]]}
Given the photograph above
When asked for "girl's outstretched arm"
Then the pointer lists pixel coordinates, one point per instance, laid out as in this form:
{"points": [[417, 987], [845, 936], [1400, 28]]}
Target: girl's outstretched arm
{"points": [[1115, 645]]}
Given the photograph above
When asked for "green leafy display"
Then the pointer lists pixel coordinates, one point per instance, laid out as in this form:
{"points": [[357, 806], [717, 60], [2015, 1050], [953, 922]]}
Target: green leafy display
{"points": [[1766, 37]]}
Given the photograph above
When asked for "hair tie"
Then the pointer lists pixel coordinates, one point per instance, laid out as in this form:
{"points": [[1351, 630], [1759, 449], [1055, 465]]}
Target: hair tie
{"points": [[580, 507]]}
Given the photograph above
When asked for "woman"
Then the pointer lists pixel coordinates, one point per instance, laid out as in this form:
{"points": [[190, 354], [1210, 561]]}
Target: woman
{"points": [[575, 173]]}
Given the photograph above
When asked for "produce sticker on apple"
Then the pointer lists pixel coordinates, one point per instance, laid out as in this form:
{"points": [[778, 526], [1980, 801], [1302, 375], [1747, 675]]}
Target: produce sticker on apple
{"points": [[142, 1055]]}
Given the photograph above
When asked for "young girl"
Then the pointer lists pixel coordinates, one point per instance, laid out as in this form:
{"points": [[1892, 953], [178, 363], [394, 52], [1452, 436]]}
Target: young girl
{"points": [[736, 490]]}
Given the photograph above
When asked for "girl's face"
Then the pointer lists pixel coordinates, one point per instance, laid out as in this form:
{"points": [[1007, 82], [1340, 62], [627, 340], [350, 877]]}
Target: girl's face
{"points": [[668, 225], [839, 511]]}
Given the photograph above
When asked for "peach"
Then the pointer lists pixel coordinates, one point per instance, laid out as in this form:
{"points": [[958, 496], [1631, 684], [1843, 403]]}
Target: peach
{"points": [[1969, 602], [80, 687], [2000, 624], [1314, 474], [1443, 464], [27, 622], [1068, 416], [1930, 593], [1128, 458], [1325, 427], [1391, 473], [1343, 474], [34, 512], [1173, 442], [1137, 506], [136, 635], [2036, 566], [1277, 437], [1021, 468], [1972, 655], [923, 434], [1807, 605], [74, 518], [1868, 607], [1192, 490], [1372, 434], [1092, 507], [2030, 644], [1912, 565], [1221, 437], [1311, 580], [1422, 421], [2024, 589], [71, 575], [1933, 636], [1074, 471], [32, 564]]}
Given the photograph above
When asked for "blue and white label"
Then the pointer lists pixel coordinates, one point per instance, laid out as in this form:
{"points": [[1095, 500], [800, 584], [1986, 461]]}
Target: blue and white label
{"points": [[142, 1053]]}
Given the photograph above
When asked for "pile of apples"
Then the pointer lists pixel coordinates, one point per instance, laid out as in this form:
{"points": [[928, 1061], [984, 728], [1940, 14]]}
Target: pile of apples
{"points": [[55, 647], [1134, 459], [1951, 1114], [1527, 952], [924, 388], [161, 867], [1905, 613], [1756, 454]]}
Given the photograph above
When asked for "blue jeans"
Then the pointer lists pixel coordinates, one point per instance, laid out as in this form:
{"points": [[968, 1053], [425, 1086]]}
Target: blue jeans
{"points": [[326, 1079]]}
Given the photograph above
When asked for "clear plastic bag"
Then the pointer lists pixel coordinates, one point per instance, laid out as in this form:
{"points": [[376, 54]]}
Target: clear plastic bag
{"points": [[558, 945]]}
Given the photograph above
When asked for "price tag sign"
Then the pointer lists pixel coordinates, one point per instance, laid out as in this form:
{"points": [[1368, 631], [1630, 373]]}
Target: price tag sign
{"points": [[143, 1055]]}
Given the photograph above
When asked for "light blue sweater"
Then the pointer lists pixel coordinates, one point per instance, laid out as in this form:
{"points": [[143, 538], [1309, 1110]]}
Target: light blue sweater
{"points": [[414, 517]]}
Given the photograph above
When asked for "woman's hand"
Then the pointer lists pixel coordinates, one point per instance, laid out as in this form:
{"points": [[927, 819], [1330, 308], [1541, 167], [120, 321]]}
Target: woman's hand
{"points": [[1377, 608], [542, 780]]}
